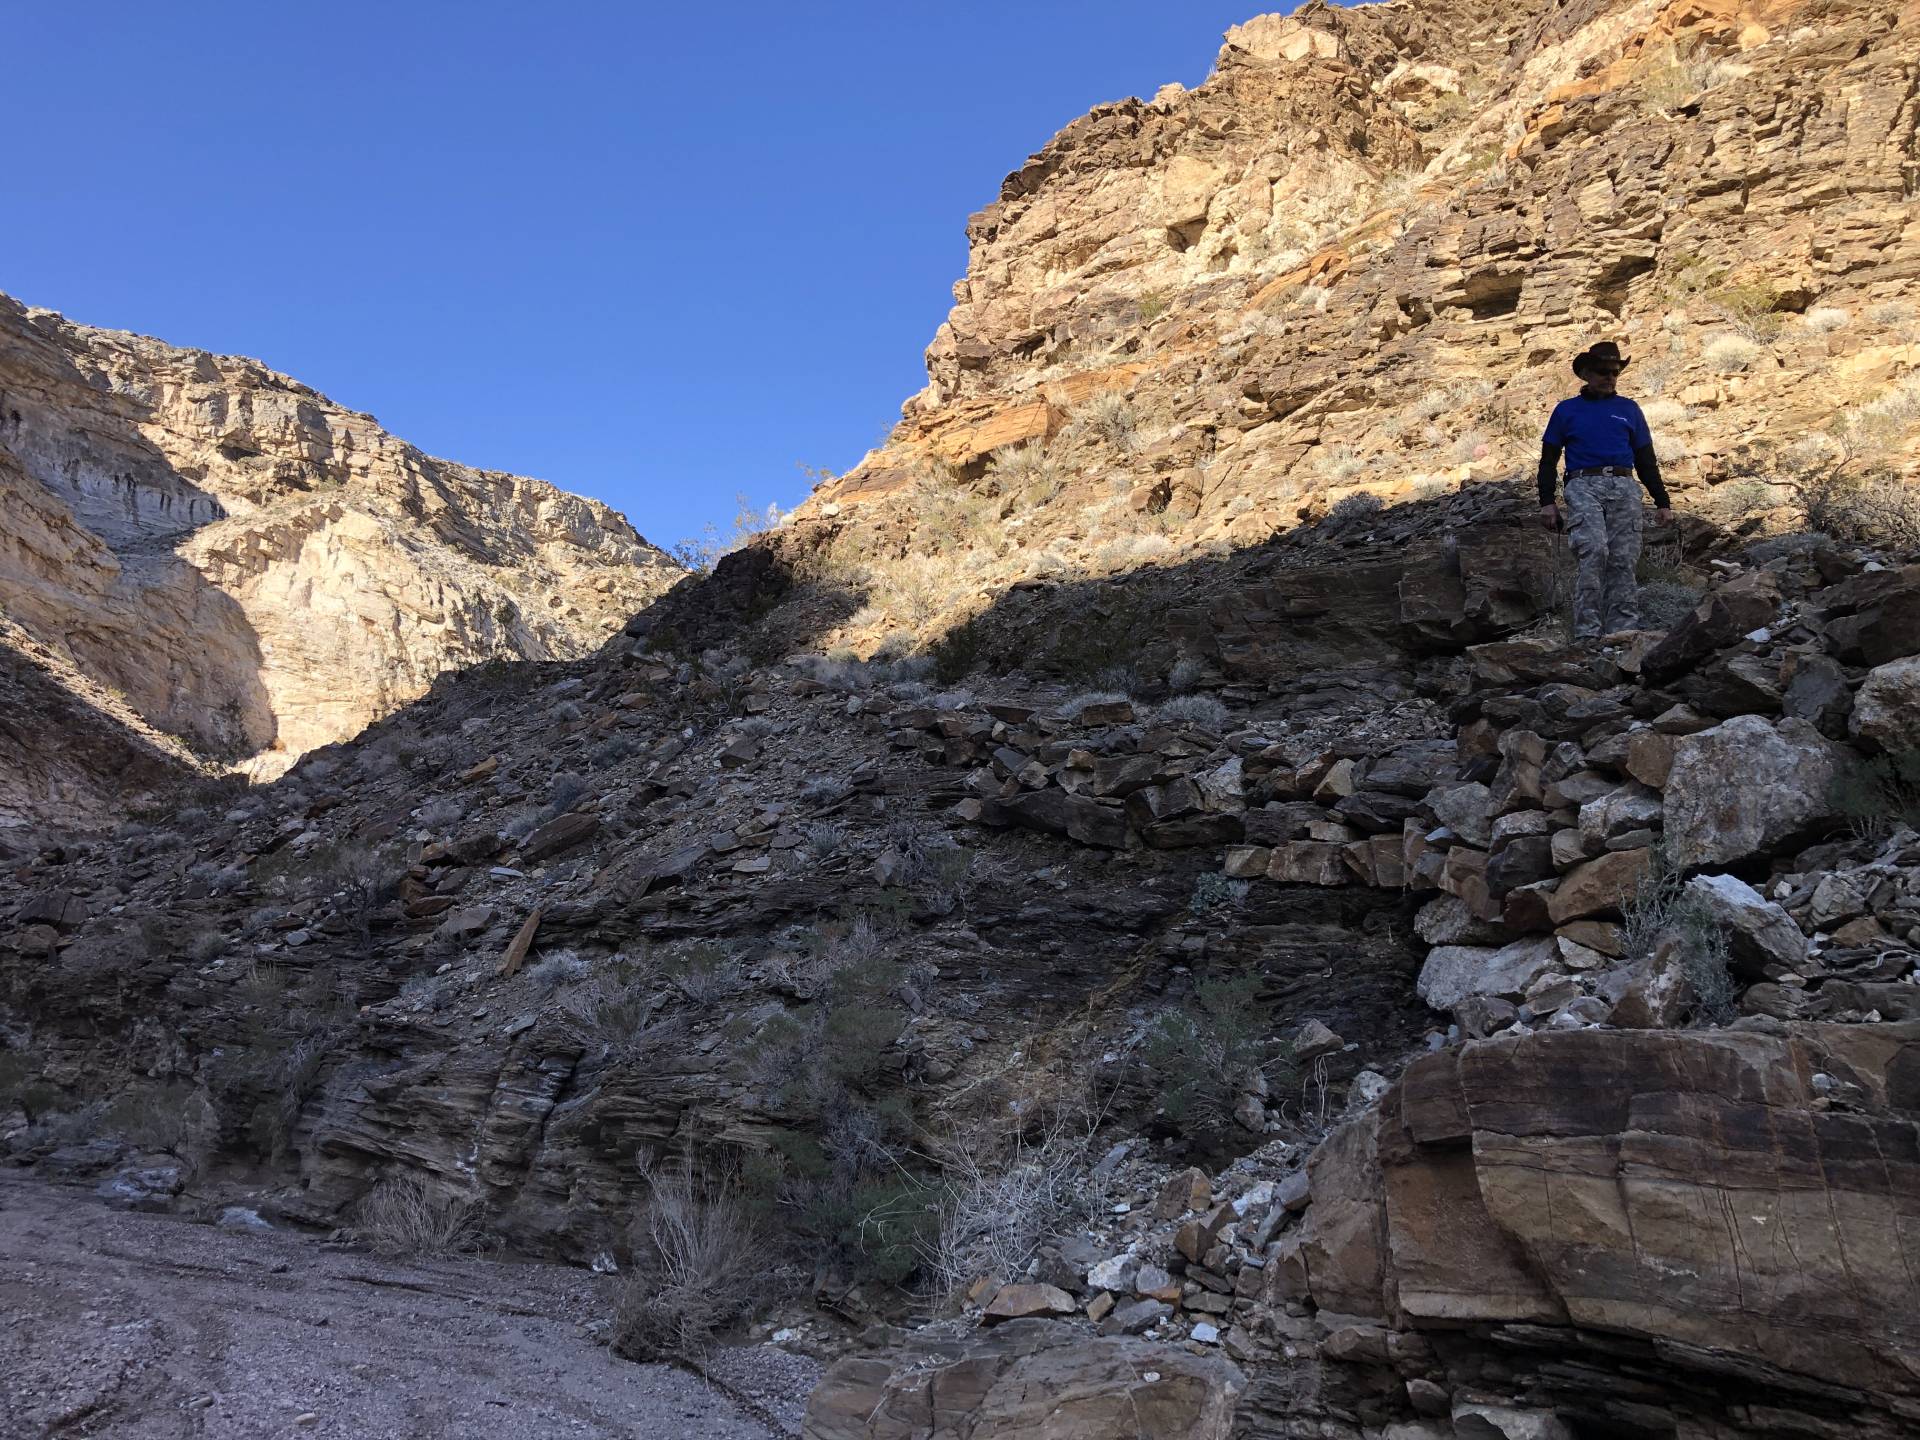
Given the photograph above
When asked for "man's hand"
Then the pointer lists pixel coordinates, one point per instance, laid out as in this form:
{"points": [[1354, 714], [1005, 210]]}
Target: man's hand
{"points": [[1663, 515], [1550, 517]]}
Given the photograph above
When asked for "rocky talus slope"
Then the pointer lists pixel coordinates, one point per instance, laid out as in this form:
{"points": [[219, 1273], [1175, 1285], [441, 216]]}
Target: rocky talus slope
{"points": [[254, 570], [1269, 986]]}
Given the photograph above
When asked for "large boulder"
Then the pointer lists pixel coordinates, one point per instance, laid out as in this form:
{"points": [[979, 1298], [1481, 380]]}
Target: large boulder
{"points": [[1759, 933], [1886, 711], [1733, 610], [1453, 972], [1601, 886], [1693, 1191], [1027, 1378], [1745, 787]]}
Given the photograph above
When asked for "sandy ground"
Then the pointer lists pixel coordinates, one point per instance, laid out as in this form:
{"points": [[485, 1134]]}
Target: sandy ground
{"points": [[117, 1324]]}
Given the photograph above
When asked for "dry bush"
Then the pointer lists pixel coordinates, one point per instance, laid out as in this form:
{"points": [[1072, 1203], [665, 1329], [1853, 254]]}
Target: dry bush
{"points": [[1024, 468], [615, 1008], [556, 968], [436, 815], [704, 972], [1730, 354], [999, 1207], [1665, 603], [698, 1265], [1660, 912], [1203, 712], [401, 1217], [915, 589], [1111, 416]]}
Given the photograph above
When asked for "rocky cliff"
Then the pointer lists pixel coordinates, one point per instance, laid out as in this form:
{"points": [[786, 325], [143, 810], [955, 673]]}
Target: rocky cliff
{"points": [[256, 571], [1351, 266], [1136, 870]]}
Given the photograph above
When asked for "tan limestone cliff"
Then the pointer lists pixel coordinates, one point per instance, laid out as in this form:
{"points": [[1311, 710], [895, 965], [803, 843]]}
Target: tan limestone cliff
{"points": [[259, 571]]}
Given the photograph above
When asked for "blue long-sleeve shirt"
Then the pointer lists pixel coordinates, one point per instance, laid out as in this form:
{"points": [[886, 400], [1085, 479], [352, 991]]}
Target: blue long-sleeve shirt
{"points": [[1596, 432]]}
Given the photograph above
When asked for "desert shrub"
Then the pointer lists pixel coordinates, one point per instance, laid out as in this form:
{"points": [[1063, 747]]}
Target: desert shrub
{"points": [[1186, 674], [1874, 509], [1339, 463], [556, 968], [698, 1265], [1111, 416], [1664, 603], [1473, 445], [436, 815], [1213, 891], [1873, 430], [1661, 913], [294, 1028], [564, 791], [824, 790], [353, 877], [1203, 1055], [702, 552], [612, 751], [520, 823], [149, 1117], [1126, 551], [1202, 712], [1358, 508], [914, 589], [1878, 795], [425, 992], [1825, 319], [999, 1206], [615, 1008], [843, 1182], [704, 972], [1752, 309], [822, 841], [1022, 465], [207, 945], [401, 1217], [1730, 354]]}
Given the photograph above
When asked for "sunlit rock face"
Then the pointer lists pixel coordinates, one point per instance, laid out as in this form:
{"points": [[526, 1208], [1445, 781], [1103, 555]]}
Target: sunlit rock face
{"points": [[257, 571]]}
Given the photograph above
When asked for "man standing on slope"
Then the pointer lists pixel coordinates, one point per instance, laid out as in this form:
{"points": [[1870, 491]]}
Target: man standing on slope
{"points": [[1606, 442]]}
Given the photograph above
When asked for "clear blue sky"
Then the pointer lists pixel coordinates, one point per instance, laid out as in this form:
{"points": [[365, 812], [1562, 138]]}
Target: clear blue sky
{"points": [[658, 254]]}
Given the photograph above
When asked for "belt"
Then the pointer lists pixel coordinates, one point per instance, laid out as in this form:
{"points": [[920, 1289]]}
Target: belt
{"points": [[1599, 470]]}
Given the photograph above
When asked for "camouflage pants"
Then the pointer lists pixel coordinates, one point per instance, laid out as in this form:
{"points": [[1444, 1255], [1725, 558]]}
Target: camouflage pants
{"points": [[1603, 526]]}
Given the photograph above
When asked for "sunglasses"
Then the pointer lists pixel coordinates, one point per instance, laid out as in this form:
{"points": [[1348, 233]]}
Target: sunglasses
{"points": [[1613, 370]]}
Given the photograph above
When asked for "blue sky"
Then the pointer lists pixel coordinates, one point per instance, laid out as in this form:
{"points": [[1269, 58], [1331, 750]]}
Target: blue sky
{"points": [[658, 254]]}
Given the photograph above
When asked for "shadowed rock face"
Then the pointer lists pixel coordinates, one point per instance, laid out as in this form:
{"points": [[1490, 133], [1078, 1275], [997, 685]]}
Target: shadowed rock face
{"points": [[257, 571]]}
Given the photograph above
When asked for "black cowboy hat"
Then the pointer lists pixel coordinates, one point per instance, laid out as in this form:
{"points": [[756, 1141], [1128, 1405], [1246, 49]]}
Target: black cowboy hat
{"points": [[1605, 350]]}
